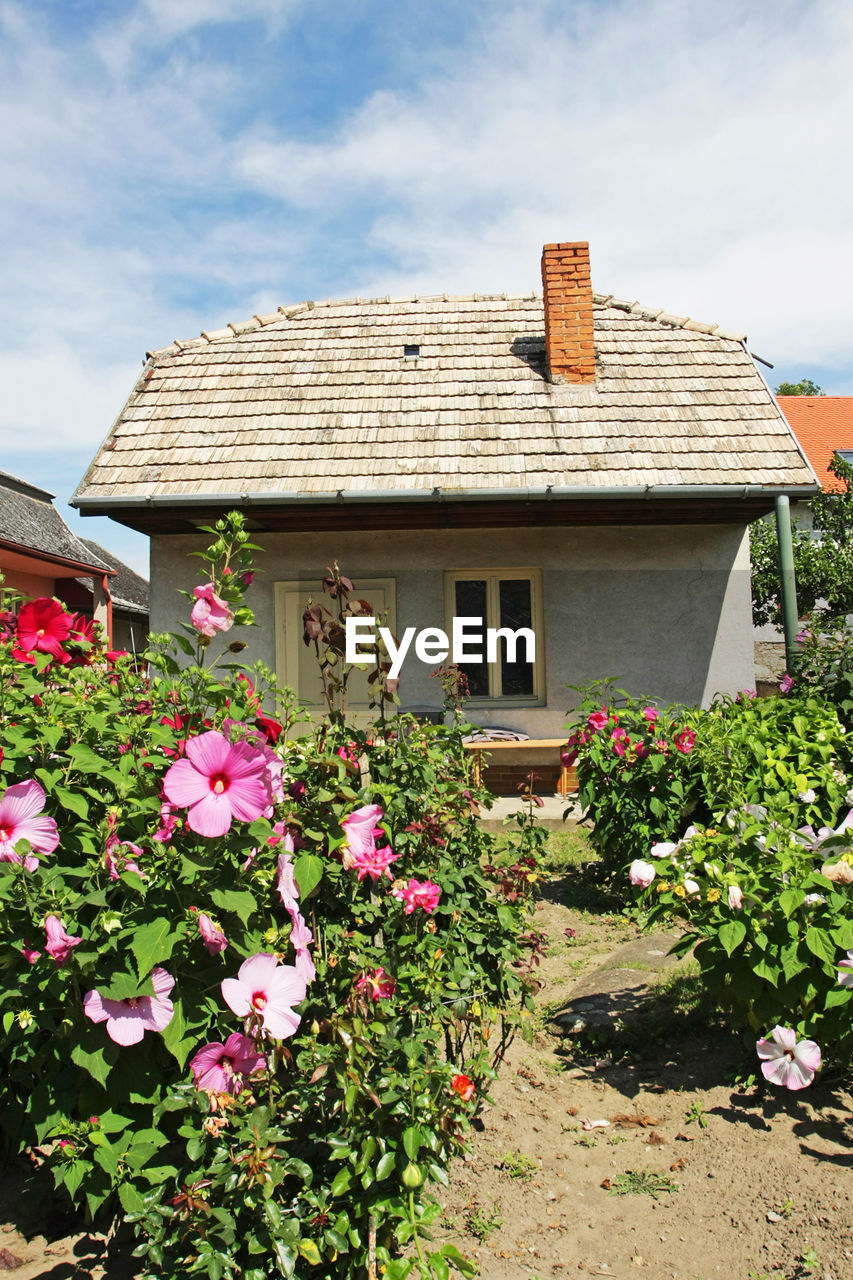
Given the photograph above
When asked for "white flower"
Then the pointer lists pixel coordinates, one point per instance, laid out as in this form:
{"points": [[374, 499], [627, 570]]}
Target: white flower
{"points": [[735, 897], [846, 978], [691, 888], [848, 799], [787, 1063], [807, 797], [812, 898], [641, 873]]}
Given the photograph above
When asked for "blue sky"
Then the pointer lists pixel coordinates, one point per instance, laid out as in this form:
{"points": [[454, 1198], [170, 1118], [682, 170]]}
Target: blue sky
{"points": [[169, 165]]}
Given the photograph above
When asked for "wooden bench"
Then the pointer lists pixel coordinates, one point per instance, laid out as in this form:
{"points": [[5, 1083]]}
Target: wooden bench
{"points": [[519, 745]]}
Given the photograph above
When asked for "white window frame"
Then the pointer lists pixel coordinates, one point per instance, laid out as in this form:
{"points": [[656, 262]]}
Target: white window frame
{"points": [[493, 576]]}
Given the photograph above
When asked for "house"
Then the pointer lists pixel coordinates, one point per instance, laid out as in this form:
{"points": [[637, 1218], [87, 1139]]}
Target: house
{"points": [[824, 426], [569, 462], [129, 596], [39, 554]]}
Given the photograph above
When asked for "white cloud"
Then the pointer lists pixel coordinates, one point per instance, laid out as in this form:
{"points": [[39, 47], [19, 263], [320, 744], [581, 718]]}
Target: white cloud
{"points": [[704, 152]]}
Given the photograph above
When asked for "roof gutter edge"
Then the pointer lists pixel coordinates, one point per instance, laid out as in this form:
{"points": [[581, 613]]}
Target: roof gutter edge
{"points": [[93, 505]]}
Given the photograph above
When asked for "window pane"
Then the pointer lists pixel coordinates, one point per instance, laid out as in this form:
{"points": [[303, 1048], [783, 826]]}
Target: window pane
{"points": [[471, 603], [516, 611]]}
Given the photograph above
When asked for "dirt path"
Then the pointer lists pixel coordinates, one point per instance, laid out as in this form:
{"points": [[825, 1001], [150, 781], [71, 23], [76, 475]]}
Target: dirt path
{"points": [[746, 1185]]}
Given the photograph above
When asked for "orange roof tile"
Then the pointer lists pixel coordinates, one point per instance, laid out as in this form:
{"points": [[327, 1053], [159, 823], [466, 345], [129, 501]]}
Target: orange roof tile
{"points": [[822, 424]]}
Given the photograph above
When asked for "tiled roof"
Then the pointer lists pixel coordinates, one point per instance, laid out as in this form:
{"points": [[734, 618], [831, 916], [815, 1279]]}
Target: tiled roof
{"points": [[127, 589], [321, 399], [822, 424], [30, 522]]}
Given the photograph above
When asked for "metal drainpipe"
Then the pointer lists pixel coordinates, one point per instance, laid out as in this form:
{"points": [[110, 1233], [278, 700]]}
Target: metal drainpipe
{"points": [[787, 577]]}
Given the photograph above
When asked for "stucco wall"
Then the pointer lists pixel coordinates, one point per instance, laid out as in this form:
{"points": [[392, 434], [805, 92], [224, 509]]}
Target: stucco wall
{"points": [[666, 610]]}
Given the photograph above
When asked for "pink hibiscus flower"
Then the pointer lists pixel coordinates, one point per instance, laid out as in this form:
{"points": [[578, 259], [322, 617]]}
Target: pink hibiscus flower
{"points": [[286, 882], [378, 984], [598, 719], [418, 893], [28, 953], [128, 1020], [268, 990], [21, 818], [651, 714], [220, 1068], [211, 935], [210, 613], [684, 741], [218, 781], [301, 939], [786, 1062], [845, 970], [168, 822], [43, 627], [59, 943], [360, 850]]}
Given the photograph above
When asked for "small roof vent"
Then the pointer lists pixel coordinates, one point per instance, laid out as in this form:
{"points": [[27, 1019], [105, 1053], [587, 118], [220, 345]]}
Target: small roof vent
{"points": [[411, 351]]}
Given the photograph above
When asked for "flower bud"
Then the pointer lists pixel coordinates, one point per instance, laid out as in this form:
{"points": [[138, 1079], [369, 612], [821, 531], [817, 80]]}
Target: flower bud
{"points": [[412, 1176]]}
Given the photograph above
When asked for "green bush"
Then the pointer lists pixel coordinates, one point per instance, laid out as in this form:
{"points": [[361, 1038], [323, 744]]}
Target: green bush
{"points": [[637, 777], [283, 1118]]}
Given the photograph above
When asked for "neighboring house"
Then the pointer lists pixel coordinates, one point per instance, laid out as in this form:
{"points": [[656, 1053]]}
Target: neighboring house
{"points": [[581, 465], [40, 556], [129, 593], [824, 426]]}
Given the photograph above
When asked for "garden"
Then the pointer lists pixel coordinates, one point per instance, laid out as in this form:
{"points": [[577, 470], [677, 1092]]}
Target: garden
{"points": [[277, 1002]]}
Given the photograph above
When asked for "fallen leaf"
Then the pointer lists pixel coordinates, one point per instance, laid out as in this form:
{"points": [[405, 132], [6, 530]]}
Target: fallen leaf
{"points": [[570, 1111], [8, 1261], [655, 1140], [685, 1137], [679, 1164], [644, 1122], [606, 1183]]}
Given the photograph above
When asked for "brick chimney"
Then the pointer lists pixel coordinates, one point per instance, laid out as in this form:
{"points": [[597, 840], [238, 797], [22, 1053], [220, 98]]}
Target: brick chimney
{"points": [[569, 345]]}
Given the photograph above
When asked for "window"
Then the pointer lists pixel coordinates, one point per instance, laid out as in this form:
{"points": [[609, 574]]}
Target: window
{"points": [[503, 599], [296, 662]]}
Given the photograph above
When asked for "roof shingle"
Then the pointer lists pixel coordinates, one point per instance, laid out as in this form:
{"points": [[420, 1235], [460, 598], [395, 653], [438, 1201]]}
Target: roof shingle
{"points": [[320, 399]]}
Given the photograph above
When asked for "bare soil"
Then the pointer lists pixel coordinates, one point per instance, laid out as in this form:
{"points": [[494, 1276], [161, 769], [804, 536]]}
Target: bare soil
{"points": [[759, 1180], [720, 1183]]}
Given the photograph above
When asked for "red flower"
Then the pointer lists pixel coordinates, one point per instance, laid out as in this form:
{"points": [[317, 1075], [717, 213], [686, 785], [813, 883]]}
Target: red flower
{"points": [[43, 627], [463, 1086], [684, 741]]}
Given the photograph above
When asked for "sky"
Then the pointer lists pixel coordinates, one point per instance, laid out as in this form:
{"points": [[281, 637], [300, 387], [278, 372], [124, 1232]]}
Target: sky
{"points": [[167, 166]]}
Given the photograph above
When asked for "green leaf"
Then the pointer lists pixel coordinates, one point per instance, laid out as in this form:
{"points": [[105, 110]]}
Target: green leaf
{"points": [[412, 1139], [836, 996], [439, 1267], [153, 942], [308, 872], [97, 1062], [75, 1175], [732, 934], [131, 1200], [86, 760], [238, 901], [789, 900], [107, 1156], [341, 1182], [820, 944], [125, 986], [385, 1165], [73, 801], [174, 1037], [309, 1251]]}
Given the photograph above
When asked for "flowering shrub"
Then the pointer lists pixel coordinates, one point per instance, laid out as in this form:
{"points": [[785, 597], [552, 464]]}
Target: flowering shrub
{"points": [[636, 776], [768, 909], [222, 1015]]}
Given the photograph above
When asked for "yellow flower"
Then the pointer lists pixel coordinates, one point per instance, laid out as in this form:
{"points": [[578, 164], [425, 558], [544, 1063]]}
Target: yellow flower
{"points": [[680, 891], [25, 1019], [714, 895]]}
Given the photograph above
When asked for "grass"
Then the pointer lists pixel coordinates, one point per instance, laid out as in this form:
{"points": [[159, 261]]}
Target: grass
{"points": [[642, 1182], [519, 1166], [480, 1223]]}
